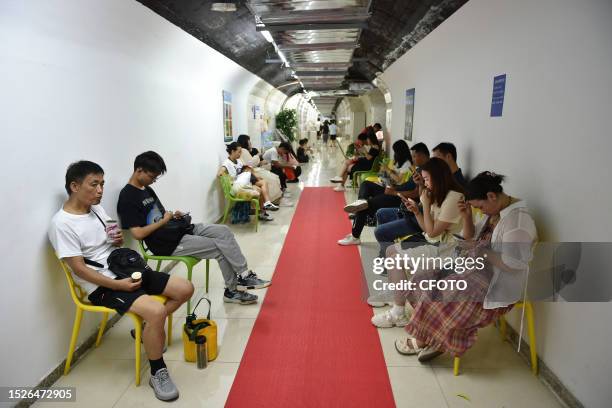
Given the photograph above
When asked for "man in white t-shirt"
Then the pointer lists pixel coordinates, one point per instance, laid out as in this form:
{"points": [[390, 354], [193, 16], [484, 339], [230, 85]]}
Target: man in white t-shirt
{"points": [[78, 235], [333, 133]]}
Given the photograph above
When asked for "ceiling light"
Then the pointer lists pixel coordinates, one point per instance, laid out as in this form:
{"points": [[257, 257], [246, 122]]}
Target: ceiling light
{"points": [[225, 7], [267, 36]]}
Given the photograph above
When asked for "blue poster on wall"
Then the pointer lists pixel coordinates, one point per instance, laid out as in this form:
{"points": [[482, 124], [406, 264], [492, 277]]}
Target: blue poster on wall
{"points": [[499, 93], [409, 114]]}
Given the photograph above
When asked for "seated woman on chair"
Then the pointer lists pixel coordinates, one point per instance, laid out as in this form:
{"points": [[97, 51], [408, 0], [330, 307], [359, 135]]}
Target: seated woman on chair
{"points": [[376, 192], [245, 182], [439, 219], [361, 164], [252, 158], [447, 320]]}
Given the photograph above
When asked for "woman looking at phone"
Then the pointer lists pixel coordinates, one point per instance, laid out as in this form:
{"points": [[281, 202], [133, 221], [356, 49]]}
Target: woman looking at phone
{"points": [[439, 220], [374, 194], [361, 164], [447, 321]]}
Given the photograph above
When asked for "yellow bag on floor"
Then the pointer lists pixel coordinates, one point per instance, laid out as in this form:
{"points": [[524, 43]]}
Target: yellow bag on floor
{"points": [[194, 327]]}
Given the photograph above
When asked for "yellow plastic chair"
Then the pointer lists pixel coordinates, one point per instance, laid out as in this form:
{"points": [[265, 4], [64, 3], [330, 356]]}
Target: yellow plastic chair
{"points": [[189, 262], [530, 329], [82, 305], [527, 307]]}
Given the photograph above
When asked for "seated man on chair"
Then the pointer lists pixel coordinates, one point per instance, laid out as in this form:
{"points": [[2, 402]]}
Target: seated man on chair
{"points": [[78, 235], [141, 211]]}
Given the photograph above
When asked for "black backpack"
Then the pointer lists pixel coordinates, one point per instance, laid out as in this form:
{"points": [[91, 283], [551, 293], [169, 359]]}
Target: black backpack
{"points": [[123, 261]]}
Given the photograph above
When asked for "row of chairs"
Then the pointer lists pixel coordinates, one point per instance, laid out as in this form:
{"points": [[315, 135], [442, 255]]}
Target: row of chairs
{"points": [[83, 305]]}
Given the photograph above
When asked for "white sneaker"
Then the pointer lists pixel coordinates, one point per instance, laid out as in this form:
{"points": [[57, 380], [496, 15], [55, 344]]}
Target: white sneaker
{"points": [[266, 217], [271, 207], [388, 319], [339, 188], [349, 240], [336, 179], [356, 206]]}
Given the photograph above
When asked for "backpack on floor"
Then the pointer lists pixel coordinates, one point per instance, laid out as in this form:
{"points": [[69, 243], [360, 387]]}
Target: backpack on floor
{"points": [[241, 213]]}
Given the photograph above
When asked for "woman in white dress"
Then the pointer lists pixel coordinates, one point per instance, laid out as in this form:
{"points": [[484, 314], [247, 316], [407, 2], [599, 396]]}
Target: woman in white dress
{"points": [[254, 161]]}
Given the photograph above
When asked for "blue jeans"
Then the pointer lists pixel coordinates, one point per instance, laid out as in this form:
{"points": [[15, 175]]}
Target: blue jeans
{"points": [[391, 225]]}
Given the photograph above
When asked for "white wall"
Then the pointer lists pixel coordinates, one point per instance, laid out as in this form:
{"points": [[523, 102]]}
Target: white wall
{"points": [[104, 81], [553, 141], [269, 100]]}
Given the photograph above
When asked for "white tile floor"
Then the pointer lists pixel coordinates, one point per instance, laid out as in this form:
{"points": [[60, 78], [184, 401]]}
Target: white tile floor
{"points": [[493, 375]]}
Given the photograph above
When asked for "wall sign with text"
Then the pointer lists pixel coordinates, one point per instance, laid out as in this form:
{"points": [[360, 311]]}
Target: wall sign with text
{"points": [[499, 93]]}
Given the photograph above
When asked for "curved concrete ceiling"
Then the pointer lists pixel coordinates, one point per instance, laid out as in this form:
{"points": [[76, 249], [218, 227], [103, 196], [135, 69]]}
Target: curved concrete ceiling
{"points": [[331, 43]]}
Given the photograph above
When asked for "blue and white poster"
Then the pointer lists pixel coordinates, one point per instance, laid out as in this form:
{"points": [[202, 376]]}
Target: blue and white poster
{"points": [[499, 93], [409, 115]]}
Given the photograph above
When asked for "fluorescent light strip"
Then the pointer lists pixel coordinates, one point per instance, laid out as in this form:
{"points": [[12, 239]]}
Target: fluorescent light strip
{"points": [[268, 36]]}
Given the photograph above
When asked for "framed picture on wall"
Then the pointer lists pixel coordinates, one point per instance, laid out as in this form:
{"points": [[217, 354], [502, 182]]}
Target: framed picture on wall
{"points": [[228, 132], [409, 121]]}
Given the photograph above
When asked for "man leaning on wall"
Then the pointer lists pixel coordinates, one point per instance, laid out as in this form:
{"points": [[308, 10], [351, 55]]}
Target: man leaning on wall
{"points": [[78, 235]]}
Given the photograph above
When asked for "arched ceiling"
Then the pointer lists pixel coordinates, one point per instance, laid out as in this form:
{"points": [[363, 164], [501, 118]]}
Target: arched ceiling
{"points": [[334, 47]]}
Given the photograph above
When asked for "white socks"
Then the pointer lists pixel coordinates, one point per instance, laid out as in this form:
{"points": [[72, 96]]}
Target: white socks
{"points": [[246, 273], [398, 311]]}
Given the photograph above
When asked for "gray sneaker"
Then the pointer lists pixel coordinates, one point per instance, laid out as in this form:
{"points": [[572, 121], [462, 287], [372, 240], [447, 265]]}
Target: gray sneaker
{"points": [[236, 296], [251, 282], [163, 386]]}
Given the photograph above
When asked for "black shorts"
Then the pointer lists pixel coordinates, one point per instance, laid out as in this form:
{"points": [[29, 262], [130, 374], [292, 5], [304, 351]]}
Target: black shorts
{"points": [[153, 283], [332, 137]]}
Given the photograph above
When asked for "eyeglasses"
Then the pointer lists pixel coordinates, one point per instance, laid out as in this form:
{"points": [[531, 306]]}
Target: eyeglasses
{"points": [[153, 176]]}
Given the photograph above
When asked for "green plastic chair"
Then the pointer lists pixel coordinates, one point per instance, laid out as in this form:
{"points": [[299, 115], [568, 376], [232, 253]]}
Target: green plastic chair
{"points": [[358, 176], [226, 186], [371, 173], [189, 262]]}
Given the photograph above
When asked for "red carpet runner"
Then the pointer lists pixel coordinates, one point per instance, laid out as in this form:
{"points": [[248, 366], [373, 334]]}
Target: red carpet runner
{"points": [[313, 344]]}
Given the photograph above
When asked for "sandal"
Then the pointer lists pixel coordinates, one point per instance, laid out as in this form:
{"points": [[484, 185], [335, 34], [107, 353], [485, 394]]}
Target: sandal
{"points": [[407, 346], [429, 353]]}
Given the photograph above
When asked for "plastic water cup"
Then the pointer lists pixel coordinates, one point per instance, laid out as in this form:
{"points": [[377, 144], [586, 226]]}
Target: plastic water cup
{"points": [[112, 227]]}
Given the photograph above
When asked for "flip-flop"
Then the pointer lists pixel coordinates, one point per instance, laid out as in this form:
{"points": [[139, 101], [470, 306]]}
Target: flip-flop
{"points": [[429, 353], [407, 346]]}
